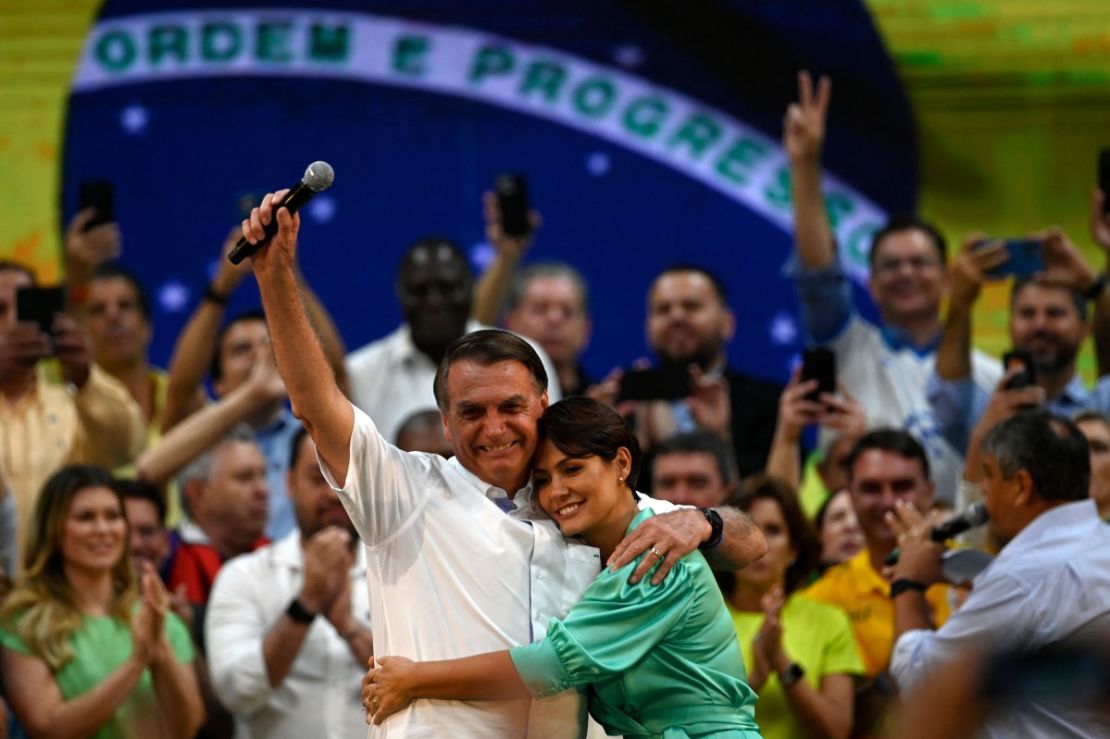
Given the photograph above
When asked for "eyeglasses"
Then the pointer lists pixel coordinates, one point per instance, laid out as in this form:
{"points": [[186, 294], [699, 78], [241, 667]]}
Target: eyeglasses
{"points": [[917, 264]]}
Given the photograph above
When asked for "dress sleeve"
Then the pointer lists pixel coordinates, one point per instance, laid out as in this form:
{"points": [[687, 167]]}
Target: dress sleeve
{"points": [[9, 639], [178, 634], [610, 629]]}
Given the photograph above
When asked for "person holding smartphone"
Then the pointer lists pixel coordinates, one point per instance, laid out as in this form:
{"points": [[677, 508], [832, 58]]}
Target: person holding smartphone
{"points": [[1051, 315], [885, 365], [87, 417]]}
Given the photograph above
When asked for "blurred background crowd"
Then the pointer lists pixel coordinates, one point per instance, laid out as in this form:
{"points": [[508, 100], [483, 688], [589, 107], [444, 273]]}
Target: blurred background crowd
{"points": [[797, 288]]}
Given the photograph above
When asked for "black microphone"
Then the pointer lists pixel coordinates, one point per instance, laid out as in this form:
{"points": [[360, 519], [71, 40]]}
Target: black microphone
{"points": [[969, 518], [317, 178]]}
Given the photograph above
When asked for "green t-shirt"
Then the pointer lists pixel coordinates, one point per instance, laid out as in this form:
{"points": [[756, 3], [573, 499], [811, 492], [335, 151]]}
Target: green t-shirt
{"points": [[100, 646], [818, 637], [659, 660]]}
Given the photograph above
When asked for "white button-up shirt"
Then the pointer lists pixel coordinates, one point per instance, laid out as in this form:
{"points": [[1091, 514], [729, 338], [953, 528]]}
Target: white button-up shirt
{"points": [[322, 694], [1049, 585], [451, 575], [391, 379]]}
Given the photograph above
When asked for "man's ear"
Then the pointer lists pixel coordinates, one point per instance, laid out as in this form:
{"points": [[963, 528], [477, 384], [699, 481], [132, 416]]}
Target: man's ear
{"points": [[1024, 493], [446, 428], [543, 400], [193, 493]]}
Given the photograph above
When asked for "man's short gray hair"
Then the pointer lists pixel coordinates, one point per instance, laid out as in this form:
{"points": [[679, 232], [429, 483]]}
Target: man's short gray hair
{"points": [[201, 467], [546, 269]]}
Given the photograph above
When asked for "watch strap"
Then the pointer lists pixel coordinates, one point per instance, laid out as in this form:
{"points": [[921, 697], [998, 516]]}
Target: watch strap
{"points": [[717, 526], [1095, 290], [903, 584], [791, 675], [298, 613]]}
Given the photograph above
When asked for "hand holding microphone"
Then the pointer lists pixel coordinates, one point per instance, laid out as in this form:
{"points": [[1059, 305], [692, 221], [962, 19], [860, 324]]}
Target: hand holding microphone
{"points": [[317, 178], [973, 516]]}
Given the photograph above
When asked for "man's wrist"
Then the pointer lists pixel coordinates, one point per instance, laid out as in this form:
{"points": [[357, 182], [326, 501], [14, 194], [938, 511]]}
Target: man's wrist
{"points": [[902, 585], [1095, 287], [303, 609], [716, 528]]}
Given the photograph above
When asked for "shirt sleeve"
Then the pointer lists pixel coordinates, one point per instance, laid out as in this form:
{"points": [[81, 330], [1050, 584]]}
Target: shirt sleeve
{"points": [[825, 296], [956, 405], [607, 632], [384, 486], [842, 656], [1001, 600], [112, 428], [234, 630]]}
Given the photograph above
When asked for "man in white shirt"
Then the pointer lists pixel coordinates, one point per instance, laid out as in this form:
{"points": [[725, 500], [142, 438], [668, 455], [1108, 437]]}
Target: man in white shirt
{"points": [[391, 378], [288, 627], [1049, 584], [450, 573]]}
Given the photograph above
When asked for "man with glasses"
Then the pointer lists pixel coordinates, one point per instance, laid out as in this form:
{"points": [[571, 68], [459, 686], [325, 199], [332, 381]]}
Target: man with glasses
{"points": [[885, 366]]}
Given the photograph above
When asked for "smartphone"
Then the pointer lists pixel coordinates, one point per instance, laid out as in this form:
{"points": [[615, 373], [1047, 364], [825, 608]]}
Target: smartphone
{"points": [[1019, 358], [40, 304], [656, 383], [1104, 177], [512, 198], [820, 365], [1026, 258], [100, 195]]}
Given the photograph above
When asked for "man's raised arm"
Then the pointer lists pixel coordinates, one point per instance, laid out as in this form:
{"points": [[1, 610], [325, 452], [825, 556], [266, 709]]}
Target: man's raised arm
{"points": [[803, 139], [316, 399]]}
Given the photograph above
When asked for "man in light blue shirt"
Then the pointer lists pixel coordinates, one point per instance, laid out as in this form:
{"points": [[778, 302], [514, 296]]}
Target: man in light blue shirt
{"points": [[1049, 584], [1048, 319]]}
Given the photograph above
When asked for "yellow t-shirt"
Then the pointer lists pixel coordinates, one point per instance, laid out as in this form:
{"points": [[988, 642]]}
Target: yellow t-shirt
{"points": [[865, 596], [815, 635]]}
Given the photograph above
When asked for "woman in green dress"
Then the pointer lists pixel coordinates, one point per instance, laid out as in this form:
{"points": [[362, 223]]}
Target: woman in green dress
{"points": [[84, 652], [657, 660]]}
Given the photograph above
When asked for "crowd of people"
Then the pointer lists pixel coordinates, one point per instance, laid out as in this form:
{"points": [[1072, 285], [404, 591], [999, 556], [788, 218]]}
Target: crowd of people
{"points": [[460, 532]]}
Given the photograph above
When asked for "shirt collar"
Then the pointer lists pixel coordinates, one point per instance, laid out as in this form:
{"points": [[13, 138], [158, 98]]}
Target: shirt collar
{"points": [[1075, 393], [283, 421], [898, 340], [1057, 523], [522, 498], [864, 573]]}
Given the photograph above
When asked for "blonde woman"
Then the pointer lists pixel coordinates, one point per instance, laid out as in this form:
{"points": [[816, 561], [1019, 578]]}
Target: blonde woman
{"points": [[85, 654]]}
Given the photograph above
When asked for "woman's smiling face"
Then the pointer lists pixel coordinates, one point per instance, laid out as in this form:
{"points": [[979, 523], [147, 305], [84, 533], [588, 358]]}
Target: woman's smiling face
{"points": [[581, 493]]}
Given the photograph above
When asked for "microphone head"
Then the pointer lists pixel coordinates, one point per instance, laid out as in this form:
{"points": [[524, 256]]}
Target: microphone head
{"points": [[977, 514], [319, 176]]}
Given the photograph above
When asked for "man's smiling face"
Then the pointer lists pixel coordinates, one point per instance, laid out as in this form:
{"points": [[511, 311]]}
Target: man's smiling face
{"points": [[491, 420]]}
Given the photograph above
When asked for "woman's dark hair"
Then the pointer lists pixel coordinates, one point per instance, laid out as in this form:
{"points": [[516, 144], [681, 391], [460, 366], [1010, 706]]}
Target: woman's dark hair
{"points": [[582, 427], [807, 547]]}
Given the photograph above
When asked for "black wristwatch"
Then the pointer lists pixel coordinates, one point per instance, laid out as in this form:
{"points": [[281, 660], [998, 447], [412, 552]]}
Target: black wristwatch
{"points": [[903, 584], [793, 674], [717, 525], [1096, 288], [298, 613]]}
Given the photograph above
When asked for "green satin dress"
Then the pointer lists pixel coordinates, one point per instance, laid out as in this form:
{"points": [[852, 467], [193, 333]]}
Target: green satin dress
{"points": [[657, 660]]}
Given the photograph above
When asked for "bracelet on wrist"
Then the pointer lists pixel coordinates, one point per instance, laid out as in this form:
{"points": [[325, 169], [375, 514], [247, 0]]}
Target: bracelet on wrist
{"points": [[212, 295], [904, 584], [298, 613], [717, 528], [1095, 290]]}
